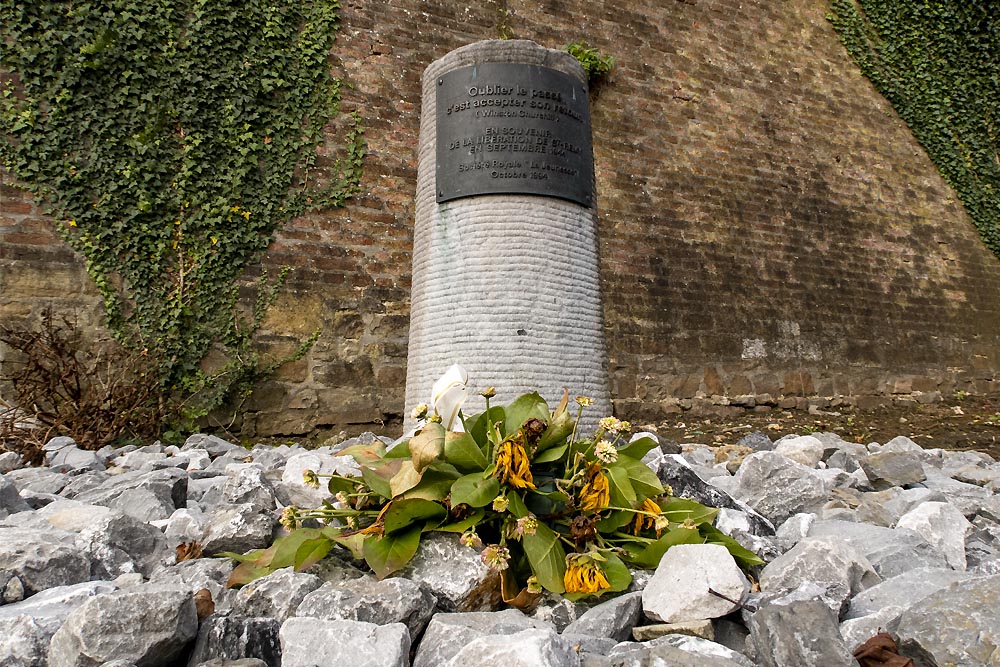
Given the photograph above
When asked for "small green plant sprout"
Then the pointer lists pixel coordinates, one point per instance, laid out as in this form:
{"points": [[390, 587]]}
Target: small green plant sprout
{"points": [[960, 395], [595, 64], [542, 506]]}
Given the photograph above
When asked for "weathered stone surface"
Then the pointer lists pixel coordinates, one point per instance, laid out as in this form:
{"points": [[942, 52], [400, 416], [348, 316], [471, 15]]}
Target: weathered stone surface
{"points": [[680, 587], [943, 526], [10, 461], [826, 560], [903, 590], [447, 633], [559, 612], [702, 646], [394, 600], [968, 498], [194, 575], [856, 631], [214, 445], [10, 501], [614, 618], [246, 483], [686, 483], [957, 625], [141, 494], [149, 624], [527, 648], [454, 574], [237, 528], [26, 628], [311, 642], [890, 551], [185, 525], [116, 542], [277, 595], [42, 559], [801, 634], [62, 454], [238, 637], [657, 653], [778, 488], [893, 468], [757, 441], [293, 484], [701, 629], [804, 449], [38, 480]]}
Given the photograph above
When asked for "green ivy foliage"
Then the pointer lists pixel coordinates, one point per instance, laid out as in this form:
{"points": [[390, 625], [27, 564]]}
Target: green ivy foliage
{"points": [[938, 63], [170, 140], [595, 64]]}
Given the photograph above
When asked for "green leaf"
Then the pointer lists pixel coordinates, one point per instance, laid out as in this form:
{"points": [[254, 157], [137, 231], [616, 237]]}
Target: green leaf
{"points": [[622, 493], [478, 429], [553, 454], [523, 408], [427, 446], [287, 546], [376, 481], [638, 448], [679, 509], [649, 556], [404, 512], [433, 486], [643, 480], [614, 521], [338, 484], [392, 552], [547, 557], [244, 573], [461, 450], [474, 491], [405, 479], [743, 556], [354, 543], [464, 524], [560, 426], [400, 451], [311, 552]]}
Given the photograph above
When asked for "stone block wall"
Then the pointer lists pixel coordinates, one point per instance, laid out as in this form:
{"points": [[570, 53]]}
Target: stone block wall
{"points": [[771, 234]]}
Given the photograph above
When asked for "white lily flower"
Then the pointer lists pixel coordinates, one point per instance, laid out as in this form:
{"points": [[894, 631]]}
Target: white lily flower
{"points": [[448, 394]]}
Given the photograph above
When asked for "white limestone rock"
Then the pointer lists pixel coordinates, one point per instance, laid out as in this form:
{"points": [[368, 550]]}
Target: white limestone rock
{"points": [[679, 588], [943, 526], [311, 642]]}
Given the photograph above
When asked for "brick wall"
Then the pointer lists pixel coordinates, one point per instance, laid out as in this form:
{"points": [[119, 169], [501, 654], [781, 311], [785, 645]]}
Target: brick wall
{"points": [[771, 233]]}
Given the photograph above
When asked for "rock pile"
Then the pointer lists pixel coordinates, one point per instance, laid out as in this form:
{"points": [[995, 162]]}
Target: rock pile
{"points": [[857, 539]]}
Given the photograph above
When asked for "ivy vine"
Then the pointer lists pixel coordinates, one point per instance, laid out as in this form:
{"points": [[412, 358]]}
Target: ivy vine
{"points": [[938, 63], [169, 141]]}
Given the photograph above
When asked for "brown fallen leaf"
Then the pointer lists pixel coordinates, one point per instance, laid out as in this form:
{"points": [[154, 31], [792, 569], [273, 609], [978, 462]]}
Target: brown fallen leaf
{"points": [[880, 651], [204, 604], [188, 551]]}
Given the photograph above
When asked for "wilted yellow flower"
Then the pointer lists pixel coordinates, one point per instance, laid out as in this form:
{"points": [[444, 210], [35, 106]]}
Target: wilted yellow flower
{"points": [[420, 412], [526, 525], [643, 521], [500, 503], [534, 587], [513, 466], [583, 575], [310, 478], [596, 492], [584, 401], [489, 392], [470, 539]]}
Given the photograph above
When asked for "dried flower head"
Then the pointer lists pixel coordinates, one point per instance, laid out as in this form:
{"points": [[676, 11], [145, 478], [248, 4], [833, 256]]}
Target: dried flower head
{"points": [[343, 499], [489, 392], [643, 521], [606, 451], [526, 525], [513, 465], [596, 492], [470, 539], [500, 503], [614, 425], [289, 518], [584, 401], [434, 418], [496, 557], [420, 412], [310, 478], [584, 575], [534, 587]]}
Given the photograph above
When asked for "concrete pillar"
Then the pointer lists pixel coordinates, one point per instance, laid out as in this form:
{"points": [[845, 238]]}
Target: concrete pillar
{"points": [[507, 284]]}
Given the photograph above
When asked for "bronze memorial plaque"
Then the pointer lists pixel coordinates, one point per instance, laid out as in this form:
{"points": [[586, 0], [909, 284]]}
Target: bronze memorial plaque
{"points": [[511, 128]]}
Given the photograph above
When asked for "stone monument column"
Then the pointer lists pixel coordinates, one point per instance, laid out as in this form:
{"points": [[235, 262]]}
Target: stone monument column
{"points": [[505, 265]]}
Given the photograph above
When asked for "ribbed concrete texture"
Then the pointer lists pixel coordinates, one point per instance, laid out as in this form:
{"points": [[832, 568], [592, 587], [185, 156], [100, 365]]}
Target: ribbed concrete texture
{"points": [[506, 285]]}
